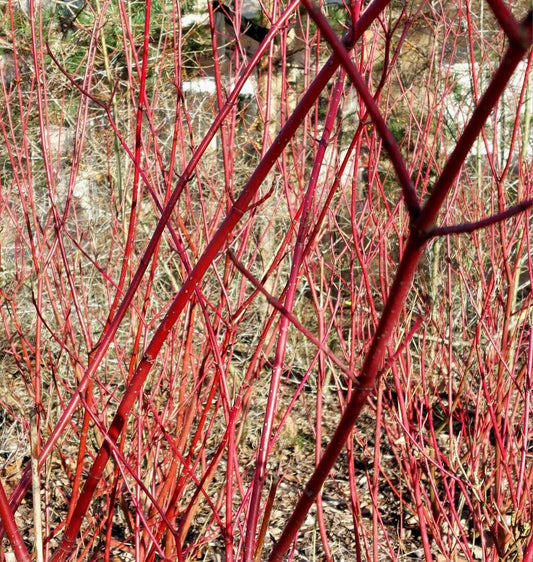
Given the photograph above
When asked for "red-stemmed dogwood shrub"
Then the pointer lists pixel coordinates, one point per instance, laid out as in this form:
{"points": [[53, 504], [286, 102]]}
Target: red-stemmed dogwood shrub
{"points": [[266, 280]]}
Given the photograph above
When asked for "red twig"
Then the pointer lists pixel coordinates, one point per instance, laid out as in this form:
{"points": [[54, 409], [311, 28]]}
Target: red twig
{"points": [[297, 258], [483, 223]]}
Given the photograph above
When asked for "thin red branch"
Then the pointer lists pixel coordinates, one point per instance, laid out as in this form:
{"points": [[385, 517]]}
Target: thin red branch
{"points": [[292, 284], [468, 227], [278, 305]]}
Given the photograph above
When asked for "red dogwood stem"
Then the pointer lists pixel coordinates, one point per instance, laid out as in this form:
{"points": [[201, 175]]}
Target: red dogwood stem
{"points": [[407, 268]]}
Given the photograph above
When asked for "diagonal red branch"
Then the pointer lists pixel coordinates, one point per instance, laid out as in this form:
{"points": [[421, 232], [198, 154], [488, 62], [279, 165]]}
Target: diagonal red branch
{"points": [[278, 305], [400, 288], [239, 208], [486, 104], [389, 142]]}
